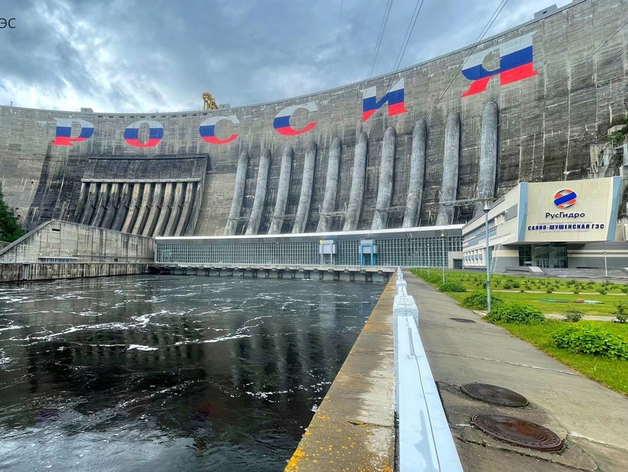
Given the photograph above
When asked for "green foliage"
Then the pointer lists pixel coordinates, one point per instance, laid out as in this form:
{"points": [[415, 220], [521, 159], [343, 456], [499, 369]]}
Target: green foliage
{"points": [[10, 230], [515, 313], [535, 291], [587, 338], [452, 287], [621, 314], [434, 279], [477, 300], [573, 316]]}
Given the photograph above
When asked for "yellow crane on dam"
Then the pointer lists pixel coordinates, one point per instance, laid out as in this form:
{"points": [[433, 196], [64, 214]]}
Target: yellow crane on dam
{"points": [[209, 103]]}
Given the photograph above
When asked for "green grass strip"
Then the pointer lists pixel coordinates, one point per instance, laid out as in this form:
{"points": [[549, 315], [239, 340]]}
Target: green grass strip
{"points": [[609, 372]]}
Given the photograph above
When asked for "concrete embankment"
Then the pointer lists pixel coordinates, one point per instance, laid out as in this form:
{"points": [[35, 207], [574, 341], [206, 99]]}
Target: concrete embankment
{"points": [[22, 272], [354, 427]]}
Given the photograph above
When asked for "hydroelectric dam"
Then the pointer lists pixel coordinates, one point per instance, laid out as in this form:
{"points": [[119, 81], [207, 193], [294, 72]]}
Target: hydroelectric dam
{"points": [[418, 147], [383, 173]]}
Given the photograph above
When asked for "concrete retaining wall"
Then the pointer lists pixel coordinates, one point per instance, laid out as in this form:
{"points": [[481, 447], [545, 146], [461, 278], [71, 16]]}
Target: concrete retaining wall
{"points": [[22, 272], [59, 239]]}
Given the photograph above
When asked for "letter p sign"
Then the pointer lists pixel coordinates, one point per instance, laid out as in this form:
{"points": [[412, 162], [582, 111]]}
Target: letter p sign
{"points": [[63, 132]]}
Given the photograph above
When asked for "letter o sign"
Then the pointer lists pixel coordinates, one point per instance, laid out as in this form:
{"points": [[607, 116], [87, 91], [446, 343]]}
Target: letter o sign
{"points": [[155, 134]]}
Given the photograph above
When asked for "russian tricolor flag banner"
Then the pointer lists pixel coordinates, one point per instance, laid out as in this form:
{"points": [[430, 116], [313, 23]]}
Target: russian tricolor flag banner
{"points": [[515, 64], [155, 134], [394, 98], [63, 134], [207, 129], [281, 123]]}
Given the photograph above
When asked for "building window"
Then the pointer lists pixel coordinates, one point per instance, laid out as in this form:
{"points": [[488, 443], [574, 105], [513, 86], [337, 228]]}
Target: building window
{"points": [[525, 256]]}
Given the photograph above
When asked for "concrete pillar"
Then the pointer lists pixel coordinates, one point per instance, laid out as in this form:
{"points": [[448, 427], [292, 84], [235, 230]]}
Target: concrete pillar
{"points": [[165, 210], [155, 209], [449, 186], [196, 209], [282, 191], [186, 210], [112, 208], [386, 171], [92, 197], [81, 202], [123, 207], [331, 186], [307, 183], [488, 156], [133, 208], [417, 175], [175, 210], [260, 193], [238, 194], [354, 208], [101, 205], [144, 209]]}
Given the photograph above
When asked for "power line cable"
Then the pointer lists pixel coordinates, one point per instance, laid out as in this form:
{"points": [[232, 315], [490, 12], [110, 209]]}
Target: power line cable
{"points": [[608, 62], [406, 39], [333, 82], [380, 37], [499, 9], [477, 23]]}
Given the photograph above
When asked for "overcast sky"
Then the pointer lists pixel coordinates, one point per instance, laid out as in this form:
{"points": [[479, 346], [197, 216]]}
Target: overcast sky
{"points": [[160, 55]]}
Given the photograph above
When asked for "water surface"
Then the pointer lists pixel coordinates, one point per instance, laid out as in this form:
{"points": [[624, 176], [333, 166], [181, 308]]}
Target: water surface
{"points": [[167, 373]]}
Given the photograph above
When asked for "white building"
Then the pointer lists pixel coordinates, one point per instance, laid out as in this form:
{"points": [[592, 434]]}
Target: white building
{"points": [[553, 225]]}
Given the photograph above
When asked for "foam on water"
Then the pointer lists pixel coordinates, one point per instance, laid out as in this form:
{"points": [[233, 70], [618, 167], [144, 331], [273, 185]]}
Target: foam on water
{"points": [[90, 313], [10, 328], [213, 340], [159, 373], [4, 360], [140, 347]]}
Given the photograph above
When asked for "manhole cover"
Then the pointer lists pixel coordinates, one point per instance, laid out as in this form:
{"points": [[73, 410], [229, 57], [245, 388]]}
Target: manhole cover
{"points": [[462, 320], [518, 432], [494, 394]]}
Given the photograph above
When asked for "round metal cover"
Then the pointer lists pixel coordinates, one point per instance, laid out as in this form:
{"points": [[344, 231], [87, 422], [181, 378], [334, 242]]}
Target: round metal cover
{"points": [[518, 432], [462, 320], [494, 394]]}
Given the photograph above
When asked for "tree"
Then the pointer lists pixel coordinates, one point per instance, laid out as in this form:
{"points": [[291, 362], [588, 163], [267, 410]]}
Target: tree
{"points": [[10, 229], [617, 137]]}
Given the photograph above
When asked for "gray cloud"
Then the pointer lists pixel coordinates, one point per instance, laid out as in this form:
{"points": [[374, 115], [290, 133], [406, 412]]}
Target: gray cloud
{"points": [[126, 55]]}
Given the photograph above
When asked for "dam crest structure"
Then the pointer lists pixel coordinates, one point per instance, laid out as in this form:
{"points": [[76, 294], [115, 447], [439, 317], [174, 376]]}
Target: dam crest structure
{"points": [[420, 147]]}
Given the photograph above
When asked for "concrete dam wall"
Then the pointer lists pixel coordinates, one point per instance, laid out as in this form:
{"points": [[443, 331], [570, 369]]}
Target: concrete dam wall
{"points": [[413, 148]]}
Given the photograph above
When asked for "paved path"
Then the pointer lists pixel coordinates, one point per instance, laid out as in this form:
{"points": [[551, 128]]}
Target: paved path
{"points": [[592, 419], [354, 427]]}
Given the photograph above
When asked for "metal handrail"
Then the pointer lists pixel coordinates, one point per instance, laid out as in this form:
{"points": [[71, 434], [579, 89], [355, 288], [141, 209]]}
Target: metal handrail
{"points": [[425, 440]]}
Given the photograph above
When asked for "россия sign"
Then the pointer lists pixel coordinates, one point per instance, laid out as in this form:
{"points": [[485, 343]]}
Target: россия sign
{"points": [[516, 64]]}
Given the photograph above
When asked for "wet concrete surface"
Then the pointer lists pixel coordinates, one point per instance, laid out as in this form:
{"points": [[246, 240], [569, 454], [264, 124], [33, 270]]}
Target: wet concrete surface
{"points": [[354, 428]]}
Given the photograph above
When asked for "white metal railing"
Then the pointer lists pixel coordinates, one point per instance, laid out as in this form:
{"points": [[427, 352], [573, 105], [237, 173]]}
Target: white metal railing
{"points": [[425, 440]]}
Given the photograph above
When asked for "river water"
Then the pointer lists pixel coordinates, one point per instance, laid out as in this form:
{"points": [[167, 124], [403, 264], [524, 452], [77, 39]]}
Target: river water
{"points": [[167, 373]]}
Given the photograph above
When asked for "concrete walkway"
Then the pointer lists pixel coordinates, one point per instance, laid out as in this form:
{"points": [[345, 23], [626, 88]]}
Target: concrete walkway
{"points": [[354, 427], [592, 419]]}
